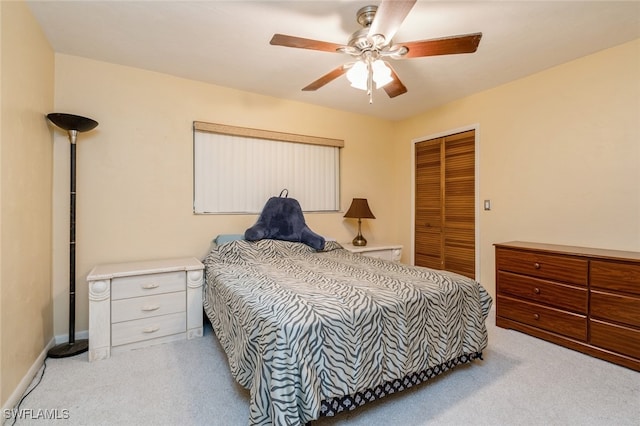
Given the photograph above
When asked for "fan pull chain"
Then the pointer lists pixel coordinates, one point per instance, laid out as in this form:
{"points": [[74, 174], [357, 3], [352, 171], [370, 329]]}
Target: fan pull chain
{"points": [[370, 79]]}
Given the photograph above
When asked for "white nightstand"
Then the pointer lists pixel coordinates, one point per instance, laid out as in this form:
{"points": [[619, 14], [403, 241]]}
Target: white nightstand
{"points": [[381, 251], [133, 305]]}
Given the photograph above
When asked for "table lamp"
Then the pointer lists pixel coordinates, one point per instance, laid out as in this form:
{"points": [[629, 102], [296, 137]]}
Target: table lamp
{"points": [[359, 209]]}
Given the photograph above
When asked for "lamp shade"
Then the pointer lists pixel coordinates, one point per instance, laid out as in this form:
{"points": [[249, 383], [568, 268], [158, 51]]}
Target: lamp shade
{"points": [[358, 74], [72, 122], [381, 73], [359, 209]]}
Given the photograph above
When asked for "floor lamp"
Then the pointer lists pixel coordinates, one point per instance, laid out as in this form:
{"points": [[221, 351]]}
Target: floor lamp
{"points": [[72, 124]]}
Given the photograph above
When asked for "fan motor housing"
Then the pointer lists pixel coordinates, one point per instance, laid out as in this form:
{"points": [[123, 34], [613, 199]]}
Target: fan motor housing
{"points": [[361, 39], [365, 15]]}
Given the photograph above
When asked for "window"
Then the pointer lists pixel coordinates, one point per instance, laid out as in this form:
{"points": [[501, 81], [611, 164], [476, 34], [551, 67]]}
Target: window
{"points": [[236, 169]]}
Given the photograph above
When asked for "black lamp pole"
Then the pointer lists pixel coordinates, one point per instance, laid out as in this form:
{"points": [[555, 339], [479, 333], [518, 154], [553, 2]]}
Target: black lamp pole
{"points": [[72, 124]]}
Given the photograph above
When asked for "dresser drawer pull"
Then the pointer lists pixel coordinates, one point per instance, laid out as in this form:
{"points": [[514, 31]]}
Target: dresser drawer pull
{"points": [[151, 329], [150, 308], [536, 290], [536, 316], [536, 265], [150, 286]]}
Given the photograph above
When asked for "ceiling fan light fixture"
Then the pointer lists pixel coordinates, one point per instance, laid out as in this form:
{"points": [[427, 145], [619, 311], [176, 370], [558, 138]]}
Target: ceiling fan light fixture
{"points": [[381, 73], [358, 75]]}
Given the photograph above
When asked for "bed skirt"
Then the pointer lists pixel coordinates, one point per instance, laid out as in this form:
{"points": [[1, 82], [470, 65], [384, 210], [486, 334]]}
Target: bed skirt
{"points": [[337, 405]]}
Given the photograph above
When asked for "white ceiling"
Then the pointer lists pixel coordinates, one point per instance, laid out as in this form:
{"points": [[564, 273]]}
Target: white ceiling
{"points": [[227, 43]]}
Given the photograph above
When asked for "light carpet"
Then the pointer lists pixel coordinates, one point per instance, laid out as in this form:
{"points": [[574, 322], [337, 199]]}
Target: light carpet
{"points": [[521, 381]]}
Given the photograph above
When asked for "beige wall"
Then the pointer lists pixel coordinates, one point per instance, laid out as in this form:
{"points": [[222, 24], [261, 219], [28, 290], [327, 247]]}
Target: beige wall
{"points": [[26, 169], [134, 175], [559, 156]]}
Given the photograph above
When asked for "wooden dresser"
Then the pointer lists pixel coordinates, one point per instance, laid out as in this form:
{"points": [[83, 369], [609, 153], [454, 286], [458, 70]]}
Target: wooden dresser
{"points": [[582, 298]]}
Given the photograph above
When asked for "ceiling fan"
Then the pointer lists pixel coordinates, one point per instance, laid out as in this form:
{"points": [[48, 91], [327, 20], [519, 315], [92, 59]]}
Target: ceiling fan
{"points": [[372, 44]]}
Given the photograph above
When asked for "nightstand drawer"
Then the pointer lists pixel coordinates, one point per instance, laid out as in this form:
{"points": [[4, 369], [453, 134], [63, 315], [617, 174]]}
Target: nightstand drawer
{"points": [[149, 306], [542, 291], [384, 254], [379, 251], [144, 285], [545, 318], [148, 328]]}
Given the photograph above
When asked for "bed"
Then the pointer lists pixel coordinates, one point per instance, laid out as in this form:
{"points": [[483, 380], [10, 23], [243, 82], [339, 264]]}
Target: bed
{"points": [[312, 333]]}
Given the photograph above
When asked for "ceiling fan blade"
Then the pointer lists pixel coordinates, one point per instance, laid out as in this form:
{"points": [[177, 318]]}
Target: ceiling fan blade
{"points": [[443, 46], [327, 78], [303, 43], [395, 88], [389, 17]]}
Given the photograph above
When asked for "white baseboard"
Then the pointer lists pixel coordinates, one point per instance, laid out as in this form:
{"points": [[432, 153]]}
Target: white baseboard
{"points": [[22, 387]]}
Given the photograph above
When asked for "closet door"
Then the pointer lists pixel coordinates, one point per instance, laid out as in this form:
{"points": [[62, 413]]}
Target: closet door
{"points": [[428, 204], [445, 203], [459, 204]]}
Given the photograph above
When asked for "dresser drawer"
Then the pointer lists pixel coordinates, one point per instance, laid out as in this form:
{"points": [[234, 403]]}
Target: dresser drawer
{"points": [[616, 276], [546, 318], [566, 269], [615, 307], [148, 306], [148, 328], [543, 291], [624, 340], [144, 285]]}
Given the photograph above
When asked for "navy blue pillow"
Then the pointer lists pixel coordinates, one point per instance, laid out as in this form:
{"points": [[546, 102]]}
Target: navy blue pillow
{"points": [[282, 219]]}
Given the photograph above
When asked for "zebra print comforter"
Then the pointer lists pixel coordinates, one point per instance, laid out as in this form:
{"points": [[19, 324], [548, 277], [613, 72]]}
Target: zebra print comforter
{"points": [[300, 327]]}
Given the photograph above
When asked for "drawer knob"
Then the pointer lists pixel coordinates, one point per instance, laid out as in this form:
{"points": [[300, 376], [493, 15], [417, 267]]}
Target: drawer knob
{"points": [[536, 316], [536, 290], [150, 286], [536, 265], [150, 308], [151, 329]]}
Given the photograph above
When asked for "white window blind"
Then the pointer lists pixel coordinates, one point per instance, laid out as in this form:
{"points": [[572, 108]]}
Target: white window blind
{"points": [[239, 170]]}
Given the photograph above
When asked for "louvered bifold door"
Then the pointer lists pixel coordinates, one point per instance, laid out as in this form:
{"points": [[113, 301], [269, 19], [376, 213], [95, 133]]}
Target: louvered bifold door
{"points": [[445, 203], [459, 204], [428, 214]]}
